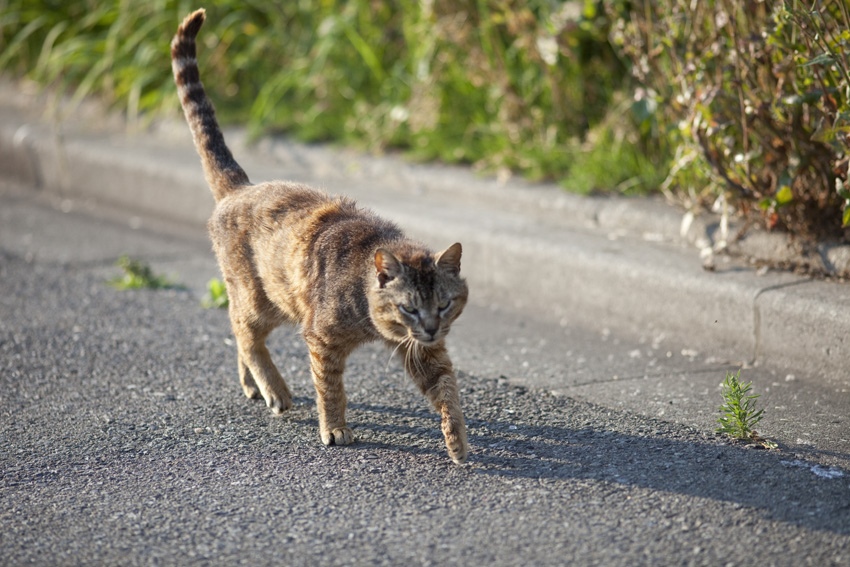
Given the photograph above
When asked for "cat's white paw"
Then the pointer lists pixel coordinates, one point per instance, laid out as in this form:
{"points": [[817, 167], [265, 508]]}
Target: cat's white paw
{"points": [[458, 453], [278, 403], [338, 436]]}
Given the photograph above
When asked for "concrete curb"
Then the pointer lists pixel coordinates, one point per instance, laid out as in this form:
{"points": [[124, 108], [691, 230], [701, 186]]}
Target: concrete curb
{"points": [[616, 263]]}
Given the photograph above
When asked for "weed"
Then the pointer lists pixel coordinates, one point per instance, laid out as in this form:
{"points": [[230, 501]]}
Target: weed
{"points": [[138, 275], [216, 295], [739, 414]]}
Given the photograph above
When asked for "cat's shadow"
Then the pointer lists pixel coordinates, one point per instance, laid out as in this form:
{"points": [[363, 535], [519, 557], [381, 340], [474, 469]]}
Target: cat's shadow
{"points": [[777, 483]]}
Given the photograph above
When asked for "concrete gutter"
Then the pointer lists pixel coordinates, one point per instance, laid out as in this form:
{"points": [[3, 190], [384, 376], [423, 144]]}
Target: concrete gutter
{"points": [[613, 263]]}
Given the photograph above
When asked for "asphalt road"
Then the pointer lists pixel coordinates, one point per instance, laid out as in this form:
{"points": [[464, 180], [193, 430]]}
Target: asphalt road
{"points": [[125, 438]]}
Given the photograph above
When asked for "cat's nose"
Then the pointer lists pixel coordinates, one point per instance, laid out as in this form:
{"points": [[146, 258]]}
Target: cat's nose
{"points": [[431, 332]]}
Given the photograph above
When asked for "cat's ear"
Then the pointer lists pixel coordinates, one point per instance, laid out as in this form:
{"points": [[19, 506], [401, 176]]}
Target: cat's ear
{"points": [[386, 265], [449, 259]]}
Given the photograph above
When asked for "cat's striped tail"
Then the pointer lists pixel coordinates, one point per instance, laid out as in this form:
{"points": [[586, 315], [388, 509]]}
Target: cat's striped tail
{"points": [[221, 170]]}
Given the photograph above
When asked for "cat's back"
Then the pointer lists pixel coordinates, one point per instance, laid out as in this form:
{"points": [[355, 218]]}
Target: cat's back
{"points": [[304, 245], [295, 212], [264, 206]]}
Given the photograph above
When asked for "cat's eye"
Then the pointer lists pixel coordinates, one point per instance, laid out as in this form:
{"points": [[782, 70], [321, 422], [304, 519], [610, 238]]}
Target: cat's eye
{"points": [[408, 309], [444, 304]]}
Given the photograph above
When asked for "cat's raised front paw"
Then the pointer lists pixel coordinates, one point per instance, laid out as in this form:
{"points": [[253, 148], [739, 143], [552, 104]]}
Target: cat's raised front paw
{"points": [[455, 433], [338, 436]]}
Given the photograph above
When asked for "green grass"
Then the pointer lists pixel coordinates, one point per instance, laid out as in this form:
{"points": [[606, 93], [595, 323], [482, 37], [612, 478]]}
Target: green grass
{"points": [[216, 295], [138, 275], [616, 165], [739, 416], [482, 82]]}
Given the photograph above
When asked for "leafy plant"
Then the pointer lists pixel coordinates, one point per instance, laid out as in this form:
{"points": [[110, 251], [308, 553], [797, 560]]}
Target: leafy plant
{"points": [[216, 295], [505, 85], [756, 95], [739, 416], [138, 275]]}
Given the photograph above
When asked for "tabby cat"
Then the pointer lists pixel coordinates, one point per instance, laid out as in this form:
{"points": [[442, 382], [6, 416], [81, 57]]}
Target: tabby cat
{"points": [[292, 254]]}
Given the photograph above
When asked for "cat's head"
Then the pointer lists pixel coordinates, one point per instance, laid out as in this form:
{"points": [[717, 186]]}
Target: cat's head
{"points": [[417, 294]]}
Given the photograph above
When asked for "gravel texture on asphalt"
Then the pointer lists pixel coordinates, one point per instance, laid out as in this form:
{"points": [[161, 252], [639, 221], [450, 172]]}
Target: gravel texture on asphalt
{"points": [[125, 440]]}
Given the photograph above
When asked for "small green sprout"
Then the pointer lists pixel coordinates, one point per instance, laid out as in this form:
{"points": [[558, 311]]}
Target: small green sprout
{"points": [[138, 275], [739, 414], [216, 295]]}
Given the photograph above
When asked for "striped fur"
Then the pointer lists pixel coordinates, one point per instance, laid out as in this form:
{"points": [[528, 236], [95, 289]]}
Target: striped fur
{"points": [[222, 172], [291, 254]]}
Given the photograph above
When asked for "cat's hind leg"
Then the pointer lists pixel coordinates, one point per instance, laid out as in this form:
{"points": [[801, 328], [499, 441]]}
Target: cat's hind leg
{"points": [[248, 385], [257, 373]]}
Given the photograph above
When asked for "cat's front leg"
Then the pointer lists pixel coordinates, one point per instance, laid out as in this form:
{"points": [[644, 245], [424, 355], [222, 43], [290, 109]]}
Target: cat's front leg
{"points": [[326, 366], [453, 424], [431, 370]]}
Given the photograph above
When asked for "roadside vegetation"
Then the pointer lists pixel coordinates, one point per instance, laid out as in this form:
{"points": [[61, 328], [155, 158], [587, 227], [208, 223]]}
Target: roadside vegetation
{"points": [[136, 274], [738, 414], [216, 296], [755, 99], [740, 104]]}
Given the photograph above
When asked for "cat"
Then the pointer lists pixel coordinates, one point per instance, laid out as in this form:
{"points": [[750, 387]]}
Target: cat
{"points": [[293, 254]]}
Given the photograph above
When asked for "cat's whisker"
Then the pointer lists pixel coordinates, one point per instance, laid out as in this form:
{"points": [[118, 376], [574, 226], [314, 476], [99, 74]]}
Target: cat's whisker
{"points": [[392, 355], [413, 358], [417, 357], [406, 362], [419, 367]]}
